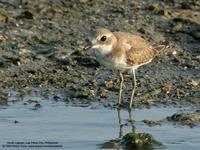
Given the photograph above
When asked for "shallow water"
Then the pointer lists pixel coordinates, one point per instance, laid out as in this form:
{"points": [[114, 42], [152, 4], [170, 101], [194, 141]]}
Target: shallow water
{"points": [[81, 128]]}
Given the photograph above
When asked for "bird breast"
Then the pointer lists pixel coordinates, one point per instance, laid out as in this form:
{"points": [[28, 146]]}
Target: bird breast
{"points": [[110, 62], [104, 59]]}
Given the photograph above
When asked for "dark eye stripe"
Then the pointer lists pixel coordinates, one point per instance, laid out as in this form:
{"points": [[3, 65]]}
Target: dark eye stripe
{"points": [[103, 38]]}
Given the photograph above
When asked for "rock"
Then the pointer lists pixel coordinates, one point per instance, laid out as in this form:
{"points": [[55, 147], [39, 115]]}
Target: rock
{"points": [[190, 119], [80, 93], [103, 93], [177, 27], [16, 121], [152, 7], [109, 84], [167, 88], [27, 15], [185, 5], [134, 140], [152, 123], [2, 38], [142, 30], [37, 106], [83, 1], [160, 11], [110, 144], [194, 83], [180, 92], [3, 98], [165, 12]]}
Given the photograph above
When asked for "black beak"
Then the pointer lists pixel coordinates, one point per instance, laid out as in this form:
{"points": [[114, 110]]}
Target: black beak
{"points": [[90, 38], [87, 47]]}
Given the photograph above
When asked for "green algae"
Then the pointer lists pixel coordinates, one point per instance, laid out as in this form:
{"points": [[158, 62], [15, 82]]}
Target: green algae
{"points": [[139, 141]]}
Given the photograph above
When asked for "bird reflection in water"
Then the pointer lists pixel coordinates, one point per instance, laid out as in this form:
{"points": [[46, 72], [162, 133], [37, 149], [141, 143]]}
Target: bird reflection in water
{"points": [[115, 143]]}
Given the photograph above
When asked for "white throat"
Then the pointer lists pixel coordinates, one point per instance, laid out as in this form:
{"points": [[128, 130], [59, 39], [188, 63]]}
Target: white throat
{"points": [[103, 49]]}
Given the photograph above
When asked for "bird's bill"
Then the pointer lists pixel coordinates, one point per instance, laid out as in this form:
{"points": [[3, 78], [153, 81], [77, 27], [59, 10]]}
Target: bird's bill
{"points": [[87, 47], [92, 44]]}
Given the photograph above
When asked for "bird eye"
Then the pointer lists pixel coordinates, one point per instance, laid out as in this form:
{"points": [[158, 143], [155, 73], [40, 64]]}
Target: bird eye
{"points": [[103, 38]]}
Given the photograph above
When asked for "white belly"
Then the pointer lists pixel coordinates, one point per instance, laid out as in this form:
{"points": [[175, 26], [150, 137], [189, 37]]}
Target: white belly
{"points": [[111, 63], [104, 60], [118, 64]]}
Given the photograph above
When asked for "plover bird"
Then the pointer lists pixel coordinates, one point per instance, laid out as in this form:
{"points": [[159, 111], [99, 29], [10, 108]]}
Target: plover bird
{"points": [[123, 51]]}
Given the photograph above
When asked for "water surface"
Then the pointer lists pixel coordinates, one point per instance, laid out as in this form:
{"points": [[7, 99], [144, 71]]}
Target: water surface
{"points": [[81, 128]]}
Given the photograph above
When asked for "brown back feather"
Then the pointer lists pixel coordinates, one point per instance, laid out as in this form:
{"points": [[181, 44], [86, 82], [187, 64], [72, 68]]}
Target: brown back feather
{"points": [[137, 50]]}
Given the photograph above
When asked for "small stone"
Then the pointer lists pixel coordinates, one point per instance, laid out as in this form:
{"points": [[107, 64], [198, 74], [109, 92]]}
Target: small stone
{"points": [[109, 84], [27, 15], [152, 7], [142, 30], [37, 105], [93, 81], [103, 93], [167, 88], [16, 121], [194, 83], [2, 38], [196, 58], [152, 123], [177, 27], [164, 12], [185, 5], [190, 119], [138, 141], [81, 93], [83, 1], [56, 98], [56, 10], [174, 53], [180, 92]]}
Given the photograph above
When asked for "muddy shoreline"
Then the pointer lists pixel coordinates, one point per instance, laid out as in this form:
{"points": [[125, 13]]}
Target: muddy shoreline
{"points": [[41, 47]]}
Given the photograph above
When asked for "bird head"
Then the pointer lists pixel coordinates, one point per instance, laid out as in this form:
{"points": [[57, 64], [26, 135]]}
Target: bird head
{"points": [[103, 40]]}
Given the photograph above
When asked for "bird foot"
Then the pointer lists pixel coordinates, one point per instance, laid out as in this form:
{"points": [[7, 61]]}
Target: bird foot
{"points": [[120, 105]]}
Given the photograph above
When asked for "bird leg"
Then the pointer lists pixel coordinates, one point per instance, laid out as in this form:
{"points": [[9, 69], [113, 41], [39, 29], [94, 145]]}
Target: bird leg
{"points": [[134, 87], [121, 88], [131, 120], [120, 123]]}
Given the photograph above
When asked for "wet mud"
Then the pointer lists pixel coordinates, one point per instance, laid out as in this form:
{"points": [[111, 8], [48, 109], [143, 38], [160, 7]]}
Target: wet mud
{"points": [[41, 45], [41, 52]]}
